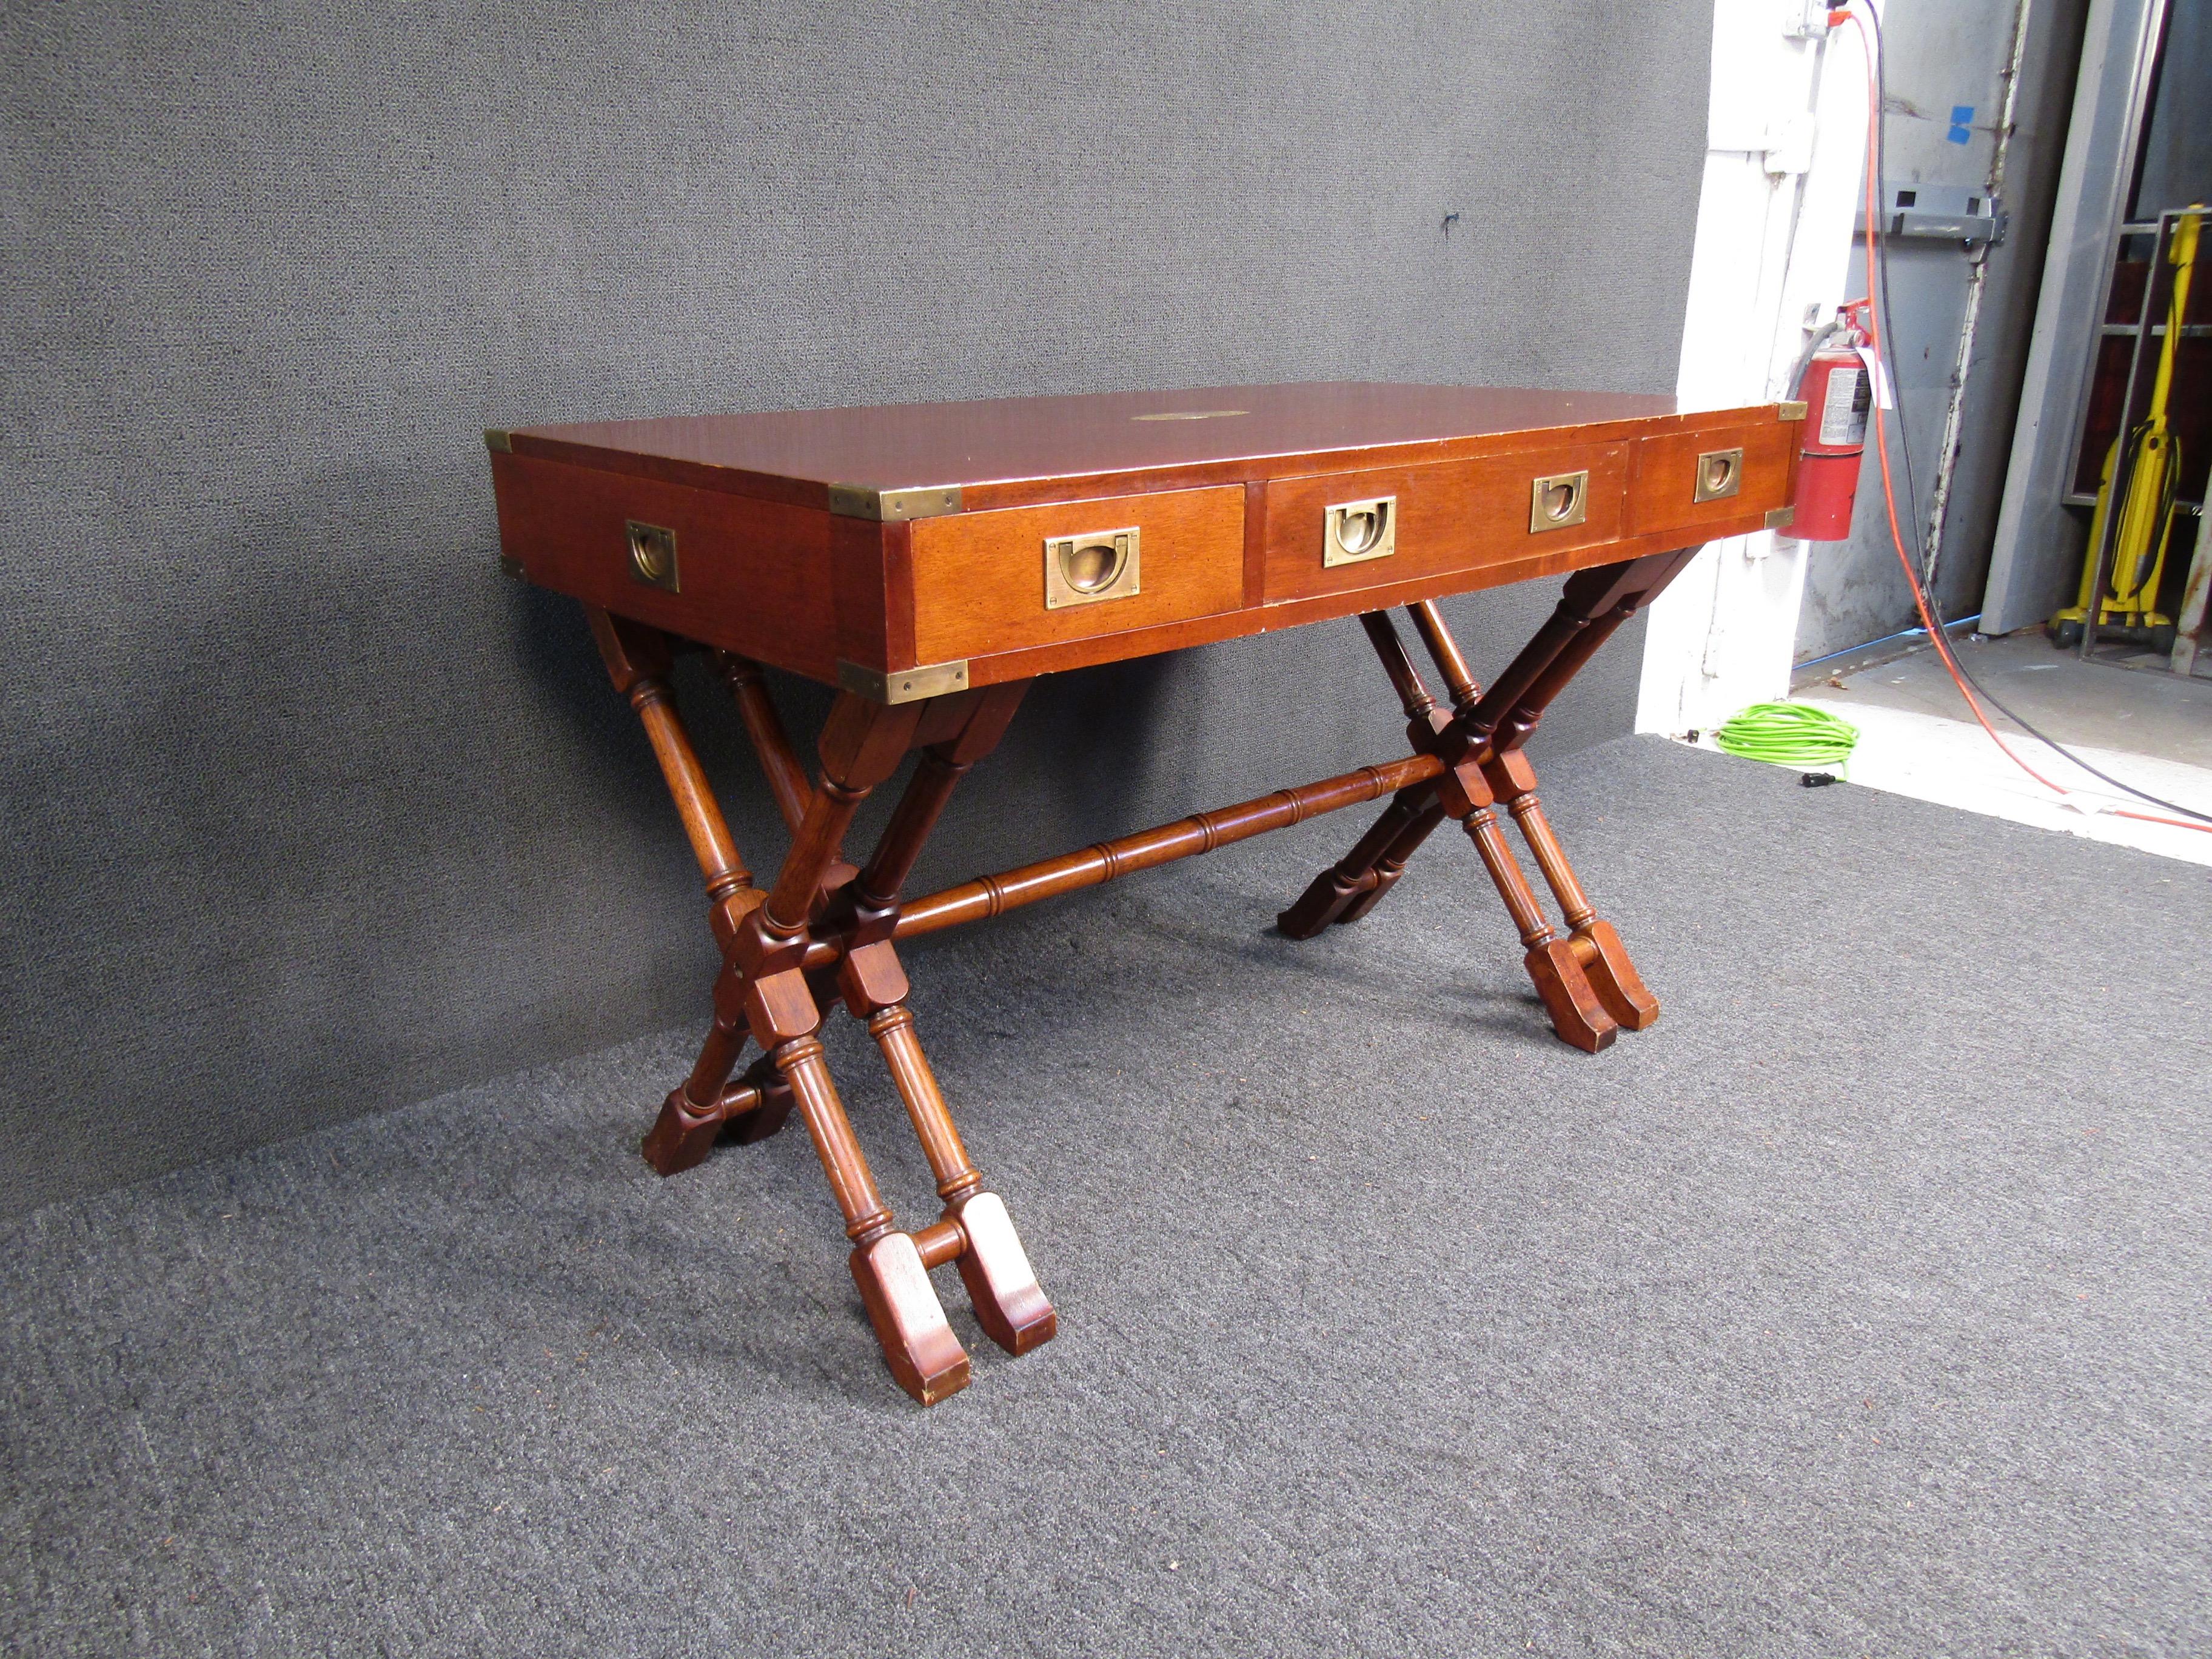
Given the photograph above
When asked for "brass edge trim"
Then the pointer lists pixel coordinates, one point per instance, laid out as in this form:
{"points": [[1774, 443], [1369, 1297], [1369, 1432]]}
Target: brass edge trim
{"points": [[495, 439], [906, 685], [1778, 517], [893, 506], [511, 566], [1790, 410]]}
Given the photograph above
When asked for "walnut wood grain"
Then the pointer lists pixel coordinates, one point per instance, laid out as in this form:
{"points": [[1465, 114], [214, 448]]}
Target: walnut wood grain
{"points": [[779, 762], [755, 568], [979, 584], [769, 572], [992, 896], [1453, 518], [1663, 494], [766, 572], [1014, 451]]}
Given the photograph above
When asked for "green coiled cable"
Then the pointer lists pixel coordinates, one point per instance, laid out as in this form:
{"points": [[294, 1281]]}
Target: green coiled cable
{"points": [[1790, 734]]}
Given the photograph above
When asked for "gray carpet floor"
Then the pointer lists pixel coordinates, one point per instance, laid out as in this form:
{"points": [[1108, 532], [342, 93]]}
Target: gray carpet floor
{"points": [[1860, 1307]]}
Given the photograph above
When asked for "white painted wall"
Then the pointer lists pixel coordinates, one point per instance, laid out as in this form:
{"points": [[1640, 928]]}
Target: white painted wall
{"points": [[1786, 140]]}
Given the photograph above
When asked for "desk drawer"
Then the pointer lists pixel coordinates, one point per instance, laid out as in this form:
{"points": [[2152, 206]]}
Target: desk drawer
{"points": [[988, 582], [1671, 468], [1445, 518]]}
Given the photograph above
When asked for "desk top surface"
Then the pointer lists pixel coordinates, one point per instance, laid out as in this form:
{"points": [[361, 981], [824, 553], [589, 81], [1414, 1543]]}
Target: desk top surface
{"points": [[1012, 440], [901, 541]]}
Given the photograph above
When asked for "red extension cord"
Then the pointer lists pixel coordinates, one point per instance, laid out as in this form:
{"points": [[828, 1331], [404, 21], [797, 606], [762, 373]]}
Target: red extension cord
{"points": [[1879, 330]]}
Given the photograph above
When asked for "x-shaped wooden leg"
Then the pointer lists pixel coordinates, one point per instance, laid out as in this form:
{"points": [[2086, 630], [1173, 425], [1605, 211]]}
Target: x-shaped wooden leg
{"points": [[974, 1230], [1588, 986], [764, 993]]}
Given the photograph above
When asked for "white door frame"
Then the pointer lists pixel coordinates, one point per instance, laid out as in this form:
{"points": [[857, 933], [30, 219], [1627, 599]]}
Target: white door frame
{"points": [[1785, 148]]}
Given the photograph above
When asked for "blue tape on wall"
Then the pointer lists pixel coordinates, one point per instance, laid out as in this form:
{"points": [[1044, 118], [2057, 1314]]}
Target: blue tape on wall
{"points": [[1962, 124]]}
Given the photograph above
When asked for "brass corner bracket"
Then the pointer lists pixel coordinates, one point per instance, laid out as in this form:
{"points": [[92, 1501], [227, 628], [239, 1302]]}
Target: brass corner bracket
{"points": [[893, 506], [1789, 409], [498, 441], [905, 685]]}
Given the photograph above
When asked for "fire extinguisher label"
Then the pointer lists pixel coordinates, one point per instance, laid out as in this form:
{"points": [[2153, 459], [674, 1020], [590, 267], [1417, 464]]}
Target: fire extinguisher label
{"points": [[1844, 410]]}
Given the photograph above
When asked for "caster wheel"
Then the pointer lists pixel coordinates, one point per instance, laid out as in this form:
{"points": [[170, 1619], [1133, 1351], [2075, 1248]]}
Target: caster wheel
{"points": [[2162, 639], [2066, 634]]}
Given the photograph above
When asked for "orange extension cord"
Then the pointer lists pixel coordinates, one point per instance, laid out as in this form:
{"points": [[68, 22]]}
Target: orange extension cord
{"points": [[1879, 332]]}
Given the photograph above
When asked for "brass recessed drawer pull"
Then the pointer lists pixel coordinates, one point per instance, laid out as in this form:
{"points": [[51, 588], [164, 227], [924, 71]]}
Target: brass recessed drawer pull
{"points": [[1355, 531], [651, 554], [1719, 475], [1099, 564], [1560, 500]]}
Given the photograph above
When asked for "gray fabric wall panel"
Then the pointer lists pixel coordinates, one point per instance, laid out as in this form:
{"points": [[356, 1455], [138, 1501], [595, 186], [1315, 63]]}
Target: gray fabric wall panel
{"points": [[307, 812]]}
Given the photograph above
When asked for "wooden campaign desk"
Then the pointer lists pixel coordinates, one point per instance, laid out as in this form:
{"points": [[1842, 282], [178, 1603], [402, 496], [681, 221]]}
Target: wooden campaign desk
{"points": [[932, 560]]}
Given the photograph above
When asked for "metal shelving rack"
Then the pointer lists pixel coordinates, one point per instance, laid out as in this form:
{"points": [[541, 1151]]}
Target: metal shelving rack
{"points": [[2158, 229], [2135, 405]]}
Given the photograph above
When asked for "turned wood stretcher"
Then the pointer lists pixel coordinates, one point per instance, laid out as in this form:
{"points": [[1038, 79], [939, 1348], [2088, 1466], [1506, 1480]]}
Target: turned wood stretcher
{"points": [[931, 561]]}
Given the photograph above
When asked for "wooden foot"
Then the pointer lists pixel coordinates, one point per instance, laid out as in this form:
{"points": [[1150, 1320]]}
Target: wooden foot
{"points": [[1598, 948], [924, 1358], [1577, 1016], [1347, 889], [1392, 864], [974, 1230], [681, 1138], [1613, 976], [1009, 1305], [752, 1109], [1325, 901]]}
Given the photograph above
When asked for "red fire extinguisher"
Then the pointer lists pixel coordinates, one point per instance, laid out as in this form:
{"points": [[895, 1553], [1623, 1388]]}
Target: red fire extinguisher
{"points": [[1838, 392]]}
